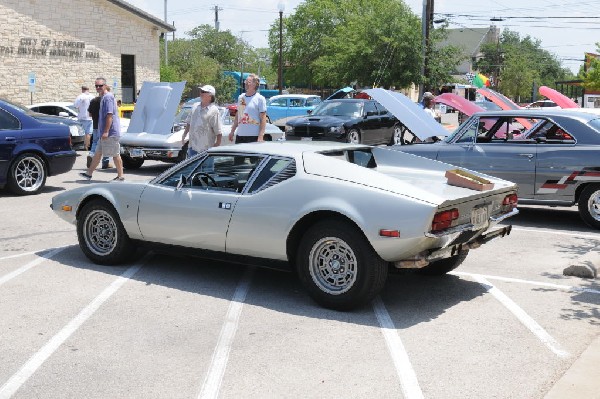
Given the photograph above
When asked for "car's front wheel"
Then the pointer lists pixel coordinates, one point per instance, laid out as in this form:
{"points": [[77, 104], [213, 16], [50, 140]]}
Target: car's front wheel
{"points": [[589, 205], [353, 136], [132, 163], [27, 174], [338, 266], [101, 234], [444, 266]]}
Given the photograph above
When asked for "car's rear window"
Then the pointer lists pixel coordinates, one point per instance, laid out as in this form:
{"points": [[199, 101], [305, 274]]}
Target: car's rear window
{"points": [[361, 157], [595, 123]]}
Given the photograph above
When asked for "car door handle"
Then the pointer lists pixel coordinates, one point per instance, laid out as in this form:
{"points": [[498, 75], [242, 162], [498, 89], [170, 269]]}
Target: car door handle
{"points": [[10, 138], [530, 156]]}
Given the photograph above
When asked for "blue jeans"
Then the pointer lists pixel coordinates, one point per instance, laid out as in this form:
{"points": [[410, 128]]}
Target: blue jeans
{"points": [[95, 138]]}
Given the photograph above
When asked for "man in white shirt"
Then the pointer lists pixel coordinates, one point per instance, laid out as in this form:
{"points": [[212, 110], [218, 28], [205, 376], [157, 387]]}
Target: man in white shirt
{"points": [[82, 102], [251, 119]]}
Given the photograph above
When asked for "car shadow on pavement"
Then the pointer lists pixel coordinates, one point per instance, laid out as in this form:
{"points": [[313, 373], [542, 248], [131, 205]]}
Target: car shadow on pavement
{"points": [[564, 218], [411, 299]]}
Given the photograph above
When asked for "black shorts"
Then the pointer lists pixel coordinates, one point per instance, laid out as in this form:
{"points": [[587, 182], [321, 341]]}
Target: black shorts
{"points": [[245, 139]]}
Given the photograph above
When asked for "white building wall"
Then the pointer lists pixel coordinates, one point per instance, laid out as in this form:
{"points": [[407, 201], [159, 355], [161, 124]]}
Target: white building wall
{"points": [[67, 44]]}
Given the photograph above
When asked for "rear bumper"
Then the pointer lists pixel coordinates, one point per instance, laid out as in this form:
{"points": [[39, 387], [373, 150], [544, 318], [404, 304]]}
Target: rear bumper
{"points": [[61, 163]]}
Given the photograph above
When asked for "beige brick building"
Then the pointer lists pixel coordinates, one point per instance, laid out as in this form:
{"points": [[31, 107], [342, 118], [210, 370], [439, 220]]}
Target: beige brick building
{"points": [[48, 50]]}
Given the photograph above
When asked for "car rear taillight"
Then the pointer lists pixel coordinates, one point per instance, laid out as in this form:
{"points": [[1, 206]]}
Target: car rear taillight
{"points": [[443, 220], [510, 202]]}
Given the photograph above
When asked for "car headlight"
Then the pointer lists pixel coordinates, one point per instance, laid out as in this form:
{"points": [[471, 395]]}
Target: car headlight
{"points": [[336, 129], [289, 129], [74, 131]]}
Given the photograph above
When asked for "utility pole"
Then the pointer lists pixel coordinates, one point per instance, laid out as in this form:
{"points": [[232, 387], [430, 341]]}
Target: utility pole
{"points": [[217, 9], [426, 25], [165, 37]]}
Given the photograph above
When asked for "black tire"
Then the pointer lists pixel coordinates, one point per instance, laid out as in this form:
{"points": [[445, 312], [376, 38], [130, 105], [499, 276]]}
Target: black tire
{"points": [[132, 163], [27, 174], [354, 273], [354, 136], [101, 235], [589, 205], [444, 266]]}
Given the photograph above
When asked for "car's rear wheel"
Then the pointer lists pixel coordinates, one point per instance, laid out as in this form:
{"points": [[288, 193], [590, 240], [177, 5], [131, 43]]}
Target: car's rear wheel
{"points": [[589, 205], [101, 234], [27, 174], [338, 267], [354, 136], [132, 163], [444, 266]]}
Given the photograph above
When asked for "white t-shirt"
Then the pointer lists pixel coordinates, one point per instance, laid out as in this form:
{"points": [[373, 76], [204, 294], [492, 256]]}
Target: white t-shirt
{"points": [[82, 102], [248, 113]]}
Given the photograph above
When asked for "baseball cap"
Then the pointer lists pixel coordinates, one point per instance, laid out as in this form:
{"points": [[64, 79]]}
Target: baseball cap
{"points": [[208, 89], [428, 95]]}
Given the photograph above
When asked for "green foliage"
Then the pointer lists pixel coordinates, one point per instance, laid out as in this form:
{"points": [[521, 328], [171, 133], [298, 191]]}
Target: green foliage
{"points": [[339, 42], [520, 63], [591, 77]]}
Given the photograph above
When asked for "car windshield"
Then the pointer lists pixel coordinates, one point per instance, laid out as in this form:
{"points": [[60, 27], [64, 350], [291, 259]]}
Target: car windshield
{"points": [[339, 108]]}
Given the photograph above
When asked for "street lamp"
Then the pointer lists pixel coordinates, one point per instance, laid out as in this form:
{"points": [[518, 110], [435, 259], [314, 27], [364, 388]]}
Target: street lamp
{"points": [[166, 50], [280, 7]]}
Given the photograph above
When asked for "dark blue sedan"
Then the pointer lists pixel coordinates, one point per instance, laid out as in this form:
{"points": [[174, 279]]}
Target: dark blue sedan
{"points": [[32, 147]]}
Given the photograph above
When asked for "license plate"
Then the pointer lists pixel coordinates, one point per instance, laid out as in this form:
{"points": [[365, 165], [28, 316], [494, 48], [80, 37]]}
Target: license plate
{"points": [[306, 138], [136, 152], [479, 217]]}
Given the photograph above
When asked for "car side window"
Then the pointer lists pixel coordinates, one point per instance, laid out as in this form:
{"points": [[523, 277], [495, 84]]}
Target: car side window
{"points": [[278, 102], [312, 101], [276, 167], [8, 121], [470, 133], [295, 102], [370, 109]]}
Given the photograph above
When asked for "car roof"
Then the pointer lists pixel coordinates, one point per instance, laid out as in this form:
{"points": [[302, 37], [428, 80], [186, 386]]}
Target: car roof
{"points": [[54, 103], [533, 113], [287, 148], [294, 96]]}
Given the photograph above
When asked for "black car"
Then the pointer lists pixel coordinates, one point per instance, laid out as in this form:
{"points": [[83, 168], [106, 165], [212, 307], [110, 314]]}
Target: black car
{"points": [[347, 120], [32, 147]]}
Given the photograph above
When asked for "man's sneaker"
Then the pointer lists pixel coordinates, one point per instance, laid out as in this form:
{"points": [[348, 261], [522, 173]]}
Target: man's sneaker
{"points": [[118, 178], [85, 175]]}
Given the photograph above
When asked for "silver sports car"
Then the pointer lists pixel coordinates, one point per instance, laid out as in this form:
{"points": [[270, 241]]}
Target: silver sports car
{"points": [[339, 214]]}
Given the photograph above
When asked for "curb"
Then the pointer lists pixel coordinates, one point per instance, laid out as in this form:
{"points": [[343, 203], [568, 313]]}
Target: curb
{"points": [[581, 379]]}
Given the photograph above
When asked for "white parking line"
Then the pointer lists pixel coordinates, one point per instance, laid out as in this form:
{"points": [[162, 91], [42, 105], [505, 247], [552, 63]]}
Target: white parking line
{"points": [[523, 317], [408, 378], [214, 377], [538, 283], [23, 269], [560, 233], [21, 376]]}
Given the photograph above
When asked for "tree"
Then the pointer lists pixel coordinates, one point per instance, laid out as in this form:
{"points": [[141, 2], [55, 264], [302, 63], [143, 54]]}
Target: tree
{"points": [[519, 64], [337, 42], [591, 74]]}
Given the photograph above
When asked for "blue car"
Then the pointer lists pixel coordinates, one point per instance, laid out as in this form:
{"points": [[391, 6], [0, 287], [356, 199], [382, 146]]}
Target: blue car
{"points": [[283, 107], [32, 147]]}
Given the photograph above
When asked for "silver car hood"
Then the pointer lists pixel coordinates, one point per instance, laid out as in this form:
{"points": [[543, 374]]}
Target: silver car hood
{"points": [[156, 107], [408, 113]]}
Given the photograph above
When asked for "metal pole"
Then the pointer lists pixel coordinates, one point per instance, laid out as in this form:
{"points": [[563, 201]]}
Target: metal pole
{"points": [[280, 83], [165, 37]]}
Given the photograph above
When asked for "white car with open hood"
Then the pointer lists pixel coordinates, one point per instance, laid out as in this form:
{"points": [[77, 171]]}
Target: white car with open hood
{"points": [[338, 214]]}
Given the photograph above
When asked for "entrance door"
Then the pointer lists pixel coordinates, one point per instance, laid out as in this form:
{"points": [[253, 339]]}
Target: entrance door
{"points": [[128, 78]]}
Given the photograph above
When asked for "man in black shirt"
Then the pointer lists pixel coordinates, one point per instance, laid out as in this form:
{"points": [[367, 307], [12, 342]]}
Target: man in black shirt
{"points": [[94, 111]]}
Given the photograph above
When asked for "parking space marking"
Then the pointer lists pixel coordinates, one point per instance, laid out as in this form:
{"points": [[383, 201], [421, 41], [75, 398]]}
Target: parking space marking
{"points": [[561, 233], [31, 366], [408, 378], [538, 283], [523, 317], [33, 263], [218, 364]]}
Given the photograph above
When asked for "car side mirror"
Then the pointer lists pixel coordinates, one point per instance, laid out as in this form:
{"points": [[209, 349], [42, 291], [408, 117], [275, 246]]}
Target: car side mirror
{"points": [[309, 111], [182, 182]]}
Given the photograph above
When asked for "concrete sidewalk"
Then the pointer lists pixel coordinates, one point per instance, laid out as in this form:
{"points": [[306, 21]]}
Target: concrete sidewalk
{"points": [[582, 380]]}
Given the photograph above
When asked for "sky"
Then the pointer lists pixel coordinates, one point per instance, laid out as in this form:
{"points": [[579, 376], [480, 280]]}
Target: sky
{"points": [[564, 27]]}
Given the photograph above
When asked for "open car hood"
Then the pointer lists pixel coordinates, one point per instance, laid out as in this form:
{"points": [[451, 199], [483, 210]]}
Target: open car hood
{"points": [[499, 99], [459, 103], [155, 109], [560, 99], [408, 113], [341, 93]]}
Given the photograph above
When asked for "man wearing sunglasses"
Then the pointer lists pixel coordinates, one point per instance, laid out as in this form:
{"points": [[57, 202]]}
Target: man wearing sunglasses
{"points": [[109, 129]]}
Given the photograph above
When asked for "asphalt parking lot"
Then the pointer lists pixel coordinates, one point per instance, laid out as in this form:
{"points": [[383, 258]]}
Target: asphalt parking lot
{"points": [[506, 324]]}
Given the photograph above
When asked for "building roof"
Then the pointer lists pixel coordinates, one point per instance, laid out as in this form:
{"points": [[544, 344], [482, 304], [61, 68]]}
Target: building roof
{"points": [[144, 15]]}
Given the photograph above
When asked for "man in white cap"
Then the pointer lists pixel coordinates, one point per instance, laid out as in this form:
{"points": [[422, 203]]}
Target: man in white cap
{"points": [[204, 123]]}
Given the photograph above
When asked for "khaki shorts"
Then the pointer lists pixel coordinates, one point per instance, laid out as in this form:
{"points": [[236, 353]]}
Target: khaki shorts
{"points": [[109, 147]]}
